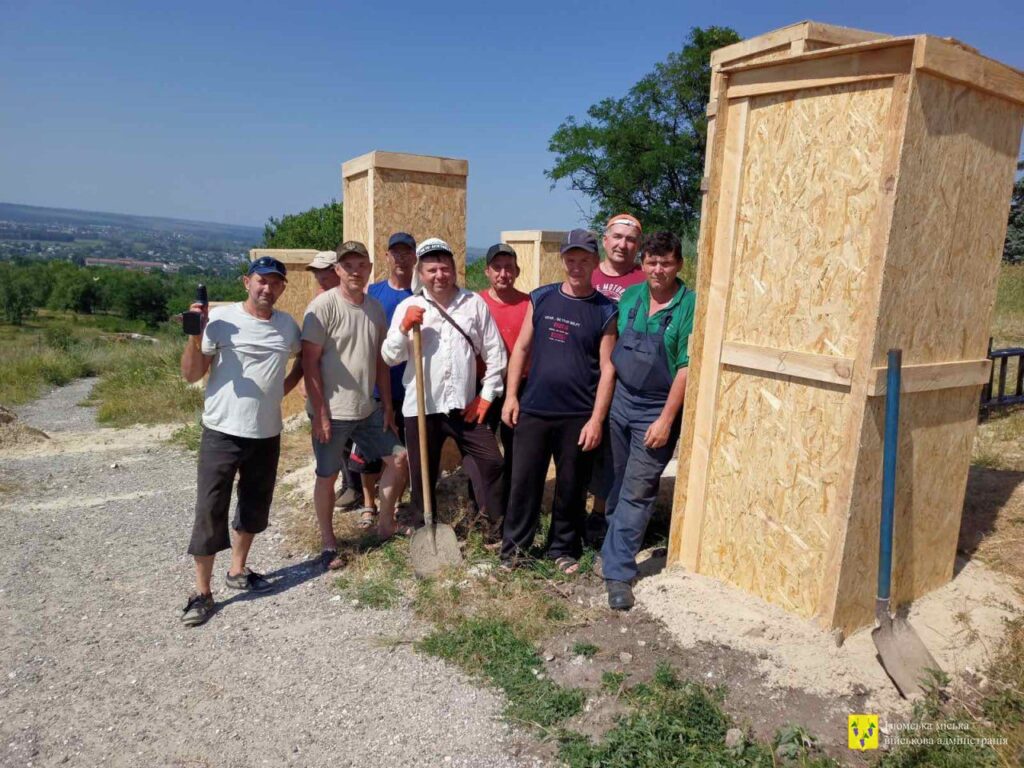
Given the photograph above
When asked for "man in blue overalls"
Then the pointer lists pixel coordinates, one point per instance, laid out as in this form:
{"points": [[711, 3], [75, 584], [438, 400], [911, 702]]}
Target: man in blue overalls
{"points": [[650, 359]]}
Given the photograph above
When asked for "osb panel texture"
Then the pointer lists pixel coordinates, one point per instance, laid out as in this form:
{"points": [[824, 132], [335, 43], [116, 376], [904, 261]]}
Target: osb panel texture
{"points": [[423, 204], [809, 196], [551, 268], [529, 264], [783, 51], [356, 209], [296, 297], [956, 175], [775, 458], [936, 434]]}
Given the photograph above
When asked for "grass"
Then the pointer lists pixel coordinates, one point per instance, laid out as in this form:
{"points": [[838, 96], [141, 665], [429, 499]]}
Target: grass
{"points": [[587, 650], [139, 380]]}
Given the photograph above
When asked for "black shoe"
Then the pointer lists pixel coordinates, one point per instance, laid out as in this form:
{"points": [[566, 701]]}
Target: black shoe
{"points": [[198, 609], [250, 581], [620, 595]]}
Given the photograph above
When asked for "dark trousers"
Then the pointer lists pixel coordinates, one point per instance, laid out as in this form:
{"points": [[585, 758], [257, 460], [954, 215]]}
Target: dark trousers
{"points": [[473, 440], [504, 433], [222, 457], [637, 477], [538, 439]]}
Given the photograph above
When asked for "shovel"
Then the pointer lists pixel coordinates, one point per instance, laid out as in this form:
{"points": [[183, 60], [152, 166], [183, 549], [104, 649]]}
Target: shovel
{"points": [[903, 655], [433, 546]]}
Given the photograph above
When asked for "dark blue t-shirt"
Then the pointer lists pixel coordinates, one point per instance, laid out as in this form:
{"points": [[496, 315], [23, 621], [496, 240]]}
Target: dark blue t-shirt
{"points": [[565, 357], [390, 298]]}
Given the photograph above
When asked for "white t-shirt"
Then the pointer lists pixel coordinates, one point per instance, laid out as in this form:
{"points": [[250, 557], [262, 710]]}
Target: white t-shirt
{"points": [[250, 361]]}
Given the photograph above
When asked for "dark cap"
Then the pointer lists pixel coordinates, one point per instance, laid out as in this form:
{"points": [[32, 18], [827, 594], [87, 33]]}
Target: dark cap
{"points": [[352, 246], [583, 239], [401, 238], [267, 265], [499, 249]]}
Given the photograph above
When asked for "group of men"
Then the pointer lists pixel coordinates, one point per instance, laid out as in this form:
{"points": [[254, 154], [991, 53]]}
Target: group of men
{"points": [[589, 372]]}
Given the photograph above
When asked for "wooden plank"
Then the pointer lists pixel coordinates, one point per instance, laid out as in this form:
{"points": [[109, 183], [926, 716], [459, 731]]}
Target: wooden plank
{"points": [[952, 60], [820, 68], [777, 38], [730, 180], [804, 365], [400, 161], [933, 376], [822, 54]]}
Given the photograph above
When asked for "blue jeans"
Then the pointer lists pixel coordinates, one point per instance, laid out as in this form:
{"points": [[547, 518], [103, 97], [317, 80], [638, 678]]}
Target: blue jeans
{"points": [[637, 477]]}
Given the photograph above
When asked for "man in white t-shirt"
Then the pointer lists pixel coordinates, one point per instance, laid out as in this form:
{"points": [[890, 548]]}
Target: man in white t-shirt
{"points": [[245, 347]]}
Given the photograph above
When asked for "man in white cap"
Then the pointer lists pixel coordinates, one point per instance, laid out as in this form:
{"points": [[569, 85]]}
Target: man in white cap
{"points": [[457, 331], [322, 267]]}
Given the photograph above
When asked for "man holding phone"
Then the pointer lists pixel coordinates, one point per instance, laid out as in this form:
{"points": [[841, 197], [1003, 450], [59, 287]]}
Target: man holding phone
{"points": [[245, 348]]}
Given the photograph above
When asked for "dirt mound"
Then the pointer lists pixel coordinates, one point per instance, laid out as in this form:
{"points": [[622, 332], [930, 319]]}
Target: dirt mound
{"points": [[13, 433]]}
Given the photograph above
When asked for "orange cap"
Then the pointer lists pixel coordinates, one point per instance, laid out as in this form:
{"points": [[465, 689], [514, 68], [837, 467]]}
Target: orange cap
{"points": [[627, 219]]}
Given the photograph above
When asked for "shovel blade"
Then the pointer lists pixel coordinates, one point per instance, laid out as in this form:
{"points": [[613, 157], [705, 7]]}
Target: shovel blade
{"points": [[434, 547], [904, 656]]}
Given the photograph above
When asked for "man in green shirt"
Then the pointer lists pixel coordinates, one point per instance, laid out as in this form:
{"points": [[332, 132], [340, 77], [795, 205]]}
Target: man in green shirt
{"points": [[650, 359]]}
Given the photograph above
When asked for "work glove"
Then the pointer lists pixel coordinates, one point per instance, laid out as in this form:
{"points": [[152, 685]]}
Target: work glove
{"points": [[476, 411], [413, 317]]}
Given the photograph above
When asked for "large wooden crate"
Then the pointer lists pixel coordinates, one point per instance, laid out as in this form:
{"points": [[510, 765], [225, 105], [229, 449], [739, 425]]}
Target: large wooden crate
{"points": [[537, 253], [301, 289], [388, 192], [857, 202]]}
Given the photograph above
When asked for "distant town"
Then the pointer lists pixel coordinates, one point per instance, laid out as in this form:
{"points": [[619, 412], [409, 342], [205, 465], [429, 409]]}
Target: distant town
{"points": [[144, 243]]}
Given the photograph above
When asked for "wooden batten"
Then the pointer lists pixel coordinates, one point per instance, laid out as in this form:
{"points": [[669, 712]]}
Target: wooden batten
{"points": [[855, 203]]}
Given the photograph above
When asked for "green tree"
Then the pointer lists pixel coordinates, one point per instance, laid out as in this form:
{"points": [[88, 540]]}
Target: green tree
{"points": [[318, 228], [644, 153], [1013, 250], [15, 293], [74, 289]]}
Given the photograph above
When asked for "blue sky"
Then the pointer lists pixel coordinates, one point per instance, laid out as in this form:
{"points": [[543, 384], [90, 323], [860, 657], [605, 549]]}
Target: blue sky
{"points": [[234, 112]]}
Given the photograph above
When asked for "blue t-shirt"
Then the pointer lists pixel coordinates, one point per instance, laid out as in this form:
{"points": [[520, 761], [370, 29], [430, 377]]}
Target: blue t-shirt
{"points": [[390, 298], [565, 359]]}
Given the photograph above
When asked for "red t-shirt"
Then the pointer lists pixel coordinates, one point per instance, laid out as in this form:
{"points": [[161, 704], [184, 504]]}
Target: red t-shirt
{"points": [[508, 317], [613, 286]]}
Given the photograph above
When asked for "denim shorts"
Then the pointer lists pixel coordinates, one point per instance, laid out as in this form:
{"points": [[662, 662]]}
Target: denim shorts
{"points": [[369, 434]]}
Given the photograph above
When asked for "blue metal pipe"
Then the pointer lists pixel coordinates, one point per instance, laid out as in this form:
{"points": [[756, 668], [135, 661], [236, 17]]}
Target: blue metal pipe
{"points": [[892, 424]]}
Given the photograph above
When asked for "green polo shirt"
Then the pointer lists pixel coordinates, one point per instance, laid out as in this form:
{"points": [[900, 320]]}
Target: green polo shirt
{"points": [[677, 334]]}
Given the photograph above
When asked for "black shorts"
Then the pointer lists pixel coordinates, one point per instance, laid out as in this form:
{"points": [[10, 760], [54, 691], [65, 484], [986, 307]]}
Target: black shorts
{"points": [[221, 457]]}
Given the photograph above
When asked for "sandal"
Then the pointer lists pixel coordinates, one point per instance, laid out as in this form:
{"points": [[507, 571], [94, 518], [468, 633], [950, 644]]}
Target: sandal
{"points": [[567, 565], [367, 517]]}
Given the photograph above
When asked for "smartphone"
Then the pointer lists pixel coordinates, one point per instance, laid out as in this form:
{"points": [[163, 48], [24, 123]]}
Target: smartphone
{"points": [[192, 322]]}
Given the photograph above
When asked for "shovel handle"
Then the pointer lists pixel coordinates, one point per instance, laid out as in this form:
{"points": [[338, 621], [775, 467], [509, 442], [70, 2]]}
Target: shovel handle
{"points": [[421, 424], [891, 443]]}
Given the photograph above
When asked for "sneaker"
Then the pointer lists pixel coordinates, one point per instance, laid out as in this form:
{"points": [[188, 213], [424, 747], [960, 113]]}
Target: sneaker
{"points": [[620, 595], [250, 581], [348, 498], [198, 609]]}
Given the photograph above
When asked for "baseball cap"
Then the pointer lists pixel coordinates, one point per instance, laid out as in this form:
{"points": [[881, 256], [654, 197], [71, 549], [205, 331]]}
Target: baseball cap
{"points": [[401, 238], [434, 246], [583, 239], [351, 246], [624, 218], [497, 250], [323, 260], [267, 265]]}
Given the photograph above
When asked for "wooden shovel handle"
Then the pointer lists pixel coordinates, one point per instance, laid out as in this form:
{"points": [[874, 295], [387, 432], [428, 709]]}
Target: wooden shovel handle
{"points": [[421, 424]]}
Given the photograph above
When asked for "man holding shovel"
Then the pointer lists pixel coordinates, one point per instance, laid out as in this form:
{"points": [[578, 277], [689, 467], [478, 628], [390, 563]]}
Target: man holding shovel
{"points": [[456, 330]]}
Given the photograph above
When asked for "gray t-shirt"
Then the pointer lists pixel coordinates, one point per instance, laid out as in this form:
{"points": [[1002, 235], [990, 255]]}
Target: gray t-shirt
{"points": [[351, 335], [250, 361]]}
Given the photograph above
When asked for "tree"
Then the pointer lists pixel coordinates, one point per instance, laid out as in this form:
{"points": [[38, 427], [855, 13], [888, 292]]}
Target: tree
{"points": [[15, 294], [1013, 250], [318, 228], [644, 153]]}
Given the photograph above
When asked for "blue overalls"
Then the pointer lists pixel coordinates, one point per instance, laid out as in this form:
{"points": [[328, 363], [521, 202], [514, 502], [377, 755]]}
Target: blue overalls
{"points": [[644, 379]]}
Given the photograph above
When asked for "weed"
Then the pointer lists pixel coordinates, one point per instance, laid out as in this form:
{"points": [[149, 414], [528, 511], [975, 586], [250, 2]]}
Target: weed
{"points": [[612, 682], [492, 649], [585, 649]]}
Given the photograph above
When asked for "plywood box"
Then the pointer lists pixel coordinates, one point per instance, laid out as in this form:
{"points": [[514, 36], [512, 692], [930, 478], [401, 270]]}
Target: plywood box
{"points": [[857, 202], [537, 254], [388, 192], [301, 289]]}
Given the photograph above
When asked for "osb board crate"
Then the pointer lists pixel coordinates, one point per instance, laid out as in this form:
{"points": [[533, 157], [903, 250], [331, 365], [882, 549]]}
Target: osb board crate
{"points": [[388, 192], [857, 202], [537, 255], [301, 289]]}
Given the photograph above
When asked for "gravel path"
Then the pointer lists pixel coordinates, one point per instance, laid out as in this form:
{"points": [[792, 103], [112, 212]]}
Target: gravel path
{"points": [[96, 669]]}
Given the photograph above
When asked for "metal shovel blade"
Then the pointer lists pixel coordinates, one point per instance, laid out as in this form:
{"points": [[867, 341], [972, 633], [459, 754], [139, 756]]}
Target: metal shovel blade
{"points": [[903, 655], [432, 548]]}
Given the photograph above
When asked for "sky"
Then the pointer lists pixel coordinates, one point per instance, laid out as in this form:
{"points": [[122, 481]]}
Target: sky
{"points": [[233, 112]]}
